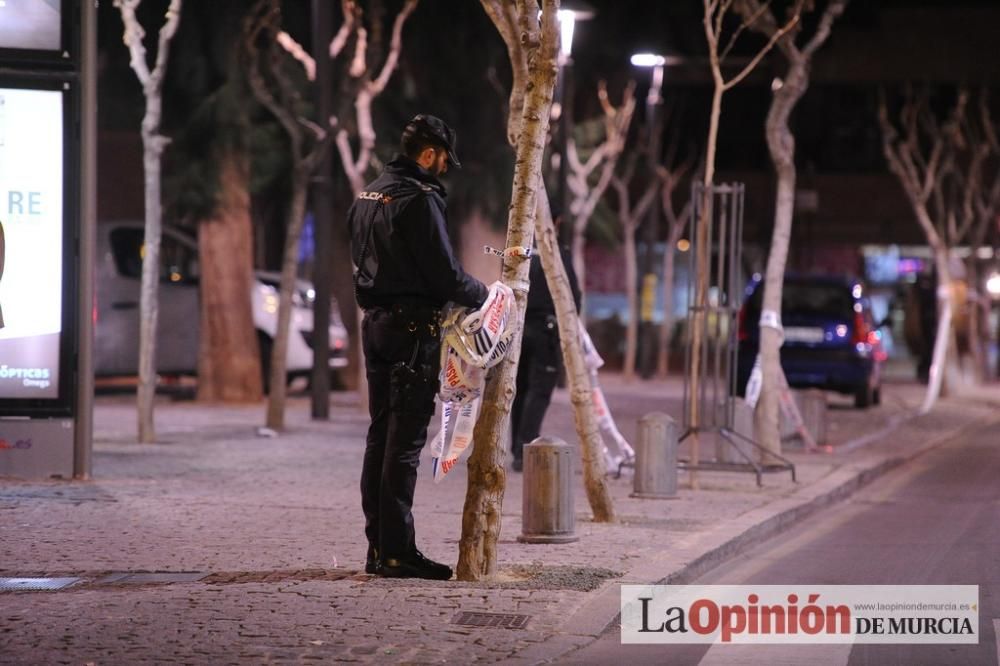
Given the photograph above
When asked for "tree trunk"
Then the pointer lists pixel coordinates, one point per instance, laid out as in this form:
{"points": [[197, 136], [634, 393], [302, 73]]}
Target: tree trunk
{"points": [[229, 364], [781, 144], [343, 290], [577, 375], [944, 336], [357, 372], [289, 266], [631, 298], [484, 497], [666, 327], [977, 315], [152, 144], [702, 267], [766, 414], [577, 246]]}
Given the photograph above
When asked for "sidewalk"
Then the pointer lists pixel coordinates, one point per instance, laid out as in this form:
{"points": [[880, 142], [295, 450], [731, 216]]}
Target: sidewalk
{"points": [[275, 526]]}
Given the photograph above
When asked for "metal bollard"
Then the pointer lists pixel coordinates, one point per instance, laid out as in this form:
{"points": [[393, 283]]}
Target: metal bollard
{"points": [[547, 508], [813, 408], [656, 457]]}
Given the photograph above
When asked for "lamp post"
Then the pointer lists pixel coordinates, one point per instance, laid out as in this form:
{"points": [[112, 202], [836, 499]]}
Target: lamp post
{"points": [[569, 13], [322, 220], [649, 281]]}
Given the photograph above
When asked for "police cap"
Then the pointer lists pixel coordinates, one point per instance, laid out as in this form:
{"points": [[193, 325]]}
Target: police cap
{"points": [[434, 130]]}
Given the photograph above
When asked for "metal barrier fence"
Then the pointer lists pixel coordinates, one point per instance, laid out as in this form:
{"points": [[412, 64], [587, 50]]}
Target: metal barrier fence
{"points": [[715, 295]]}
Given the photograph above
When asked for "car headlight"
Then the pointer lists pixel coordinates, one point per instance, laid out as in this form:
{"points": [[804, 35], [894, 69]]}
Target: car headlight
{"points": [[304, 298]]}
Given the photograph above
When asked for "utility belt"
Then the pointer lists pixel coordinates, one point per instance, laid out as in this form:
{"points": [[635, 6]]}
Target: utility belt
{"points": [[542, 321], [414, 318]]}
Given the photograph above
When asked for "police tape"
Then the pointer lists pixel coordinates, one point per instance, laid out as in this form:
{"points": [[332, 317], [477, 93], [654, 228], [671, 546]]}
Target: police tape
{"points": [[478, 340], [472, 343], [515, 251], [605, 421]]}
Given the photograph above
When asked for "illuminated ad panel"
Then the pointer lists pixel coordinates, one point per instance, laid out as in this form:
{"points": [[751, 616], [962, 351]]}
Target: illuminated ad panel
{"points": [[30, 24], [31, 214]]}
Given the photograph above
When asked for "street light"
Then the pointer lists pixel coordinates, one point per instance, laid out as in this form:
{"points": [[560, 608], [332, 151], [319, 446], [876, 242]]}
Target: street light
{"points": [[655, 62], [993, 285], [567, 22], [569, 13]]}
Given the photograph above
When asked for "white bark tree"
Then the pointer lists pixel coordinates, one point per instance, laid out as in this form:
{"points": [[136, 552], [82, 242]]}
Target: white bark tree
{"points": [[981, 200], [630, 218], [677, 223], [585, 192], [533, 49], [580, 389], [920, 152], [357, 160], [355, 136], [713, 19], [307, 141], [781, 144], [153, 145], [967, 200]]}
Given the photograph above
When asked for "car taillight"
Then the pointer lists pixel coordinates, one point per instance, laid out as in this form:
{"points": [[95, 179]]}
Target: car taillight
{"points": [[741, 324], [860, 329]]}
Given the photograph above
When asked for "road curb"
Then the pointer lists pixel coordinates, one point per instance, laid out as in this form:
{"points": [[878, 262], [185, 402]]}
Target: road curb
{"points": [[602, 609]]}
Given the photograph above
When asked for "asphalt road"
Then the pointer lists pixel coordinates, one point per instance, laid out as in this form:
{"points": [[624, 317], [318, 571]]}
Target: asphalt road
{"points": [[934, 522]]}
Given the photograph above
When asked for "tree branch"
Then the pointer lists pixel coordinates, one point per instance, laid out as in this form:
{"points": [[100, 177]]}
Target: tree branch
{"points": [[764, 51], [351, 17], [295, 50], [752, 11], [504, 18], [832, 12], [395, 45], [134, 35], [647, 198]]}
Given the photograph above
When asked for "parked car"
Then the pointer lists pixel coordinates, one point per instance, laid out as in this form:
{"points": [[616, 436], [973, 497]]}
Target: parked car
{"points": [[831, 340], [119, 272]]}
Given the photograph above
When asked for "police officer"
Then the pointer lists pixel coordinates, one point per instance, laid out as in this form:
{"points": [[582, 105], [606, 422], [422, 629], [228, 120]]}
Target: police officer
{"points": [[406, 271], [541, 355]]}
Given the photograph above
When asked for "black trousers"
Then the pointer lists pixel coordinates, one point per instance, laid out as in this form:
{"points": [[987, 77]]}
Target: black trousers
{"points": [[537, 374], [402, 361]]}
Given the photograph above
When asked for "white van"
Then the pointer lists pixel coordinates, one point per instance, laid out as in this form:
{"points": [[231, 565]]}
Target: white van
{"points": [[116, 312]]}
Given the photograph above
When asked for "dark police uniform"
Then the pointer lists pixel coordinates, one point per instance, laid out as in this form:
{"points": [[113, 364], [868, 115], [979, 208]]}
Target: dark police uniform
{"points": [[406, 272], [538, 367]]}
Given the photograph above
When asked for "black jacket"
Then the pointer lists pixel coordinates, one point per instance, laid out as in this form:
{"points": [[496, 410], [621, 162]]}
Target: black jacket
{"points": [[540, 304], [400, 244]]}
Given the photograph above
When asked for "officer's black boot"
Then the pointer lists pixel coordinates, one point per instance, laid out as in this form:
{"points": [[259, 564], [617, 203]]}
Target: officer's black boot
{"points": [[414, 565], [371, 562]]}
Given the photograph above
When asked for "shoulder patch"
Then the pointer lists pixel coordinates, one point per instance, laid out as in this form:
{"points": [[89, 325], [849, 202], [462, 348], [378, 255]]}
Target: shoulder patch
{"points": [[375, 196]]}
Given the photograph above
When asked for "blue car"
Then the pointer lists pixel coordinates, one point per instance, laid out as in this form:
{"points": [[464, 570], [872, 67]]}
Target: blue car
{"points": [[831, 340]]}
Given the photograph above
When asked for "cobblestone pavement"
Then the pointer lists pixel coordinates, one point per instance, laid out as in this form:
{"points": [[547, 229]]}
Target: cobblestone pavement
{"points": [[275, 526]]}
